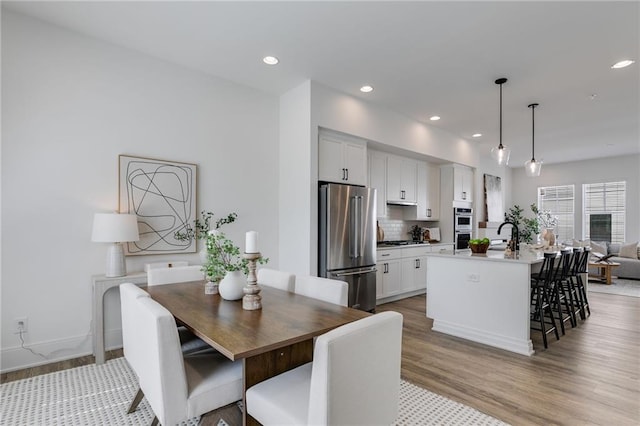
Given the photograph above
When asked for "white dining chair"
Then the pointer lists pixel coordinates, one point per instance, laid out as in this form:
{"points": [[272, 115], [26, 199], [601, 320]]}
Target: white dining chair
{"points": [[332, 291], [128, 294], [163, 276], [276, 279], [354, 379], [178, 386]]}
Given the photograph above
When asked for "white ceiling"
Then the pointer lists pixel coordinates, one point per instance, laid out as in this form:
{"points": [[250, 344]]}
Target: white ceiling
{"points": [[423, 58]]}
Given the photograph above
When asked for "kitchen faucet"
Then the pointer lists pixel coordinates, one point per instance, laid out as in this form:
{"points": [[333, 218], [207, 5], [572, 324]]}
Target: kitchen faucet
{"points": [[514, 230]]}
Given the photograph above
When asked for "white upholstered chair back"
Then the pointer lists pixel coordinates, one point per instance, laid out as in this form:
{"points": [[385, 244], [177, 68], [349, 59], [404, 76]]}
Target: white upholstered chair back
{"points": [[160, 276], [162, 377], [332, 291], [277, 279], [130, 332], [355, 379]]}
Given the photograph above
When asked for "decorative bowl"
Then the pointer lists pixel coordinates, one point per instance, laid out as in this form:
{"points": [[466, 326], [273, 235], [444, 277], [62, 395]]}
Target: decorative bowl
{"points": [[479, 248]]}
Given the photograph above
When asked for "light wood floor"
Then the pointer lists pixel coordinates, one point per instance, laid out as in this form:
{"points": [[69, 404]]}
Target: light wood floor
{"points": [[590, 376]]}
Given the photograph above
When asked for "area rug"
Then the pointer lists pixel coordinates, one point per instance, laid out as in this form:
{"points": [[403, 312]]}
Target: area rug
{"points": [[619, 286], [100, 394]]}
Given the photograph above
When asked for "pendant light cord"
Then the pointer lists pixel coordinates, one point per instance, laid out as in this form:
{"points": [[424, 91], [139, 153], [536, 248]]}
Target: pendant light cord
{"points": [[500, 115], [533, 132]]}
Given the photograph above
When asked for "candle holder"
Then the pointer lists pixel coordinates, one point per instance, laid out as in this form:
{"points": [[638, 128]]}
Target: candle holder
{"points": [[252, 300]]}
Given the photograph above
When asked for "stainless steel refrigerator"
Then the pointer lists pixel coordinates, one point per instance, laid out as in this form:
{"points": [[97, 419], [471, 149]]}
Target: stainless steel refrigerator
{"points": [[347, 240]]}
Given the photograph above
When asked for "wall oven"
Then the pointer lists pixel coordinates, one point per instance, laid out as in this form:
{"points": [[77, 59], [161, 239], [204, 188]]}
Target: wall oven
{"points": [[462, 219], [462, 240], [462, 226]]}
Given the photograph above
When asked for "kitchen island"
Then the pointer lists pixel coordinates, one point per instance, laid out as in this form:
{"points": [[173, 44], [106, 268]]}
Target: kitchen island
{"points": [[483, 297]]}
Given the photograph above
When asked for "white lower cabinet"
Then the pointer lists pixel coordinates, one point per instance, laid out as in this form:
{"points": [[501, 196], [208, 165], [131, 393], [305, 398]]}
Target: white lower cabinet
{"points": [[388, 282], [414, 273], [404, 270]]}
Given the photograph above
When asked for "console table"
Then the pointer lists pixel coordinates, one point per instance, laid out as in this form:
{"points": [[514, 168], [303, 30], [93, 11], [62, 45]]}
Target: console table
{"points": [[101, 285]]}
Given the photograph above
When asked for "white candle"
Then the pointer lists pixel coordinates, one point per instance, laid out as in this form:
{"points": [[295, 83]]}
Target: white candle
{"points": [[251, 242]]}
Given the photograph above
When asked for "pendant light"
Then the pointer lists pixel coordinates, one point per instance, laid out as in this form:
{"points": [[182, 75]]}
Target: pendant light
{"points": [[532, 167], [501, 153]]}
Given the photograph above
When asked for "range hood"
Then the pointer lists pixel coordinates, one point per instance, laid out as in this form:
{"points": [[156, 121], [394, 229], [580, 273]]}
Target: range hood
{"points": [[402, 203]]}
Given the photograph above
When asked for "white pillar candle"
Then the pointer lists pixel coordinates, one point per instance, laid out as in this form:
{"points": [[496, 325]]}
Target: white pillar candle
{"points": [[251, 242]]}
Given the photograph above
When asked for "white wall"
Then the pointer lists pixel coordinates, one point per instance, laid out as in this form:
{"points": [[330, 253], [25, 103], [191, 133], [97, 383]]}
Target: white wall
{"points": [[70, 106], [611, 169]]}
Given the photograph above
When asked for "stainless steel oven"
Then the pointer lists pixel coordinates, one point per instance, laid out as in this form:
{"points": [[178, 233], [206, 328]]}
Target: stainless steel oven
{"points": [[462, 219], [462, 240]]}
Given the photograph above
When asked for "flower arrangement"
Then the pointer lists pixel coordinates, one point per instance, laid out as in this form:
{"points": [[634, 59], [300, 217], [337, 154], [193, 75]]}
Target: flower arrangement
{"points": [[202, 225], [545, 218], [224, 256]]}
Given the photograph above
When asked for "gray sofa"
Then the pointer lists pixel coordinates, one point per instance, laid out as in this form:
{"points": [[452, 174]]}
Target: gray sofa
{"points": [[629, 268]]}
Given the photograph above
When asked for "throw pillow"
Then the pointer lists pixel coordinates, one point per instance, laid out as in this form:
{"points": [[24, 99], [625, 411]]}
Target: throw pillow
{"points": [[629, 250], [614, 248], [599, 248]]}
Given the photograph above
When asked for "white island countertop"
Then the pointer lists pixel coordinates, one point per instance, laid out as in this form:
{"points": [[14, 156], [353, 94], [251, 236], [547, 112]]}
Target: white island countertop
{"points": [[526, 256]]}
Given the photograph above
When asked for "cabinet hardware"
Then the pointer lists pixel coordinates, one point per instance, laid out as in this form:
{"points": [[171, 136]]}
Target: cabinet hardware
{"points": [[402, 194], [428, 212], [417, 262], [464, 195], [344, 175], [385, 255], [347, 170]]}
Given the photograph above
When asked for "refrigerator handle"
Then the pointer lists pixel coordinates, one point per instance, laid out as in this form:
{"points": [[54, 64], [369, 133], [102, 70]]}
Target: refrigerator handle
{"points": [[355, 223], [359, 272]]}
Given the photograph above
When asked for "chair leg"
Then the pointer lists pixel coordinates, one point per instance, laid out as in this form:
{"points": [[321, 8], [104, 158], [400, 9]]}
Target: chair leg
{"points": [[155, 421], [136, 401]]}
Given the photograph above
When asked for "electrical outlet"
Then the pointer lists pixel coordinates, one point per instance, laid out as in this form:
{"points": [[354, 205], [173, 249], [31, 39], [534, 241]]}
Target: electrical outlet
{"points": [[20, 325], [473, 278]]}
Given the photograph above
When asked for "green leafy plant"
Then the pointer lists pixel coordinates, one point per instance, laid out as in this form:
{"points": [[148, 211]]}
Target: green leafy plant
{"points": [[201, 226], [224, 256], [528, 227]]}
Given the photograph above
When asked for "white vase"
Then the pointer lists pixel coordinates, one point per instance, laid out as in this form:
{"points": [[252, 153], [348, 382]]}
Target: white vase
{"points": [[232, 285]]}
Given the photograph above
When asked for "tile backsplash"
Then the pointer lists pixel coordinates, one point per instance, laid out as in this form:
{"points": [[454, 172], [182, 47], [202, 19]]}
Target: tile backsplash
{"points": [[396, 228]]}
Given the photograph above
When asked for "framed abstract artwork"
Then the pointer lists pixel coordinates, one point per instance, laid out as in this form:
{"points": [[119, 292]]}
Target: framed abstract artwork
{"points": [[162, 194], [494, 210]]}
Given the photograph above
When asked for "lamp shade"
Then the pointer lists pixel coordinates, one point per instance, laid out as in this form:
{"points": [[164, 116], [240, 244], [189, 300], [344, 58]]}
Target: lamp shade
{"points": [[114, 228]]}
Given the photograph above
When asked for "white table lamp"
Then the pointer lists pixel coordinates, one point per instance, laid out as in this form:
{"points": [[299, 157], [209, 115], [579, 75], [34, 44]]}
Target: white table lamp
{"points": [[115, 228]]}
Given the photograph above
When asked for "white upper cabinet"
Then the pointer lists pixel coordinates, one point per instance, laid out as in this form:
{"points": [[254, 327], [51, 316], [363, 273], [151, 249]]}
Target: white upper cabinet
{"points": [[378, 180], [427, 194], [341, 160], [462, 183], [401, 180]]}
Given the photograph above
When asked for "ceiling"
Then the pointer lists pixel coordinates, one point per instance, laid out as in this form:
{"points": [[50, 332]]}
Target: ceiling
{"points": [[422, 58]]}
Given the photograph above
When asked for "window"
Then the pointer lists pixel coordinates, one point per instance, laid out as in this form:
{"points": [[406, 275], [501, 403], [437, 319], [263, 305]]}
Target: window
{"points": [[603, 211], [559, 200]]}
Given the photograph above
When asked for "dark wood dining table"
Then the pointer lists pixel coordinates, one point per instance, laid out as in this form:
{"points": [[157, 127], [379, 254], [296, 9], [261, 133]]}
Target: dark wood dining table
{"points": [[269, 341]]}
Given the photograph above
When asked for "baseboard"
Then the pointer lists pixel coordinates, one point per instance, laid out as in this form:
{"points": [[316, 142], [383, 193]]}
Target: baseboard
{"points": [[524, 347], [17, 358]]}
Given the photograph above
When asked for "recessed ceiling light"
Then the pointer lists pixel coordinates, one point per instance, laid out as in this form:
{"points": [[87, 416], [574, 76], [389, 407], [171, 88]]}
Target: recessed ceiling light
{"points": [[434, 118], [622, 64], [476, 135], [270, 60], [366, 89]]}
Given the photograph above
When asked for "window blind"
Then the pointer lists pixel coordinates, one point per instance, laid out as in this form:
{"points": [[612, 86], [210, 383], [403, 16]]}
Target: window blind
{"points": [[605, 198], [560, 201]]}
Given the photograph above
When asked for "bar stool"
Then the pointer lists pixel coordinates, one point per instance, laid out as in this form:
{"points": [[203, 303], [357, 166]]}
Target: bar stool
{"points": [[580, 268], [562, 300], [540, 298]]}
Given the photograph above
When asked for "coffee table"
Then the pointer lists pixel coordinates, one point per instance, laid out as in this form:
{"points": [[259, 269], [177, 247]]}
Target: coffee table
{"points": [[604, 270]]}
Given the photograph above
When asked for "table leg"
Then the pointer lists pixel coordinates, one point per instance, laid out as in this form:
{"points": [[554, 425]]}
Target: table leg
{"points": [[263, 366], [607, 271]]}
